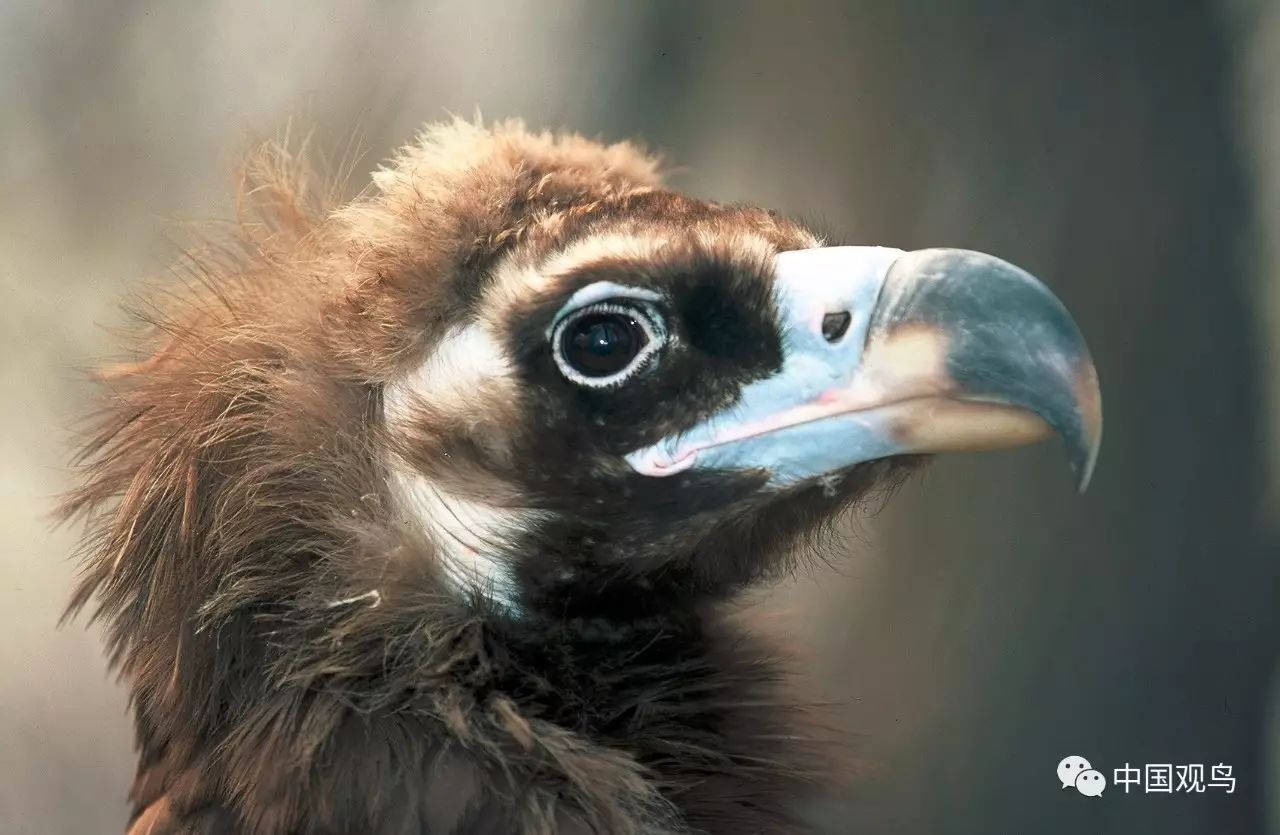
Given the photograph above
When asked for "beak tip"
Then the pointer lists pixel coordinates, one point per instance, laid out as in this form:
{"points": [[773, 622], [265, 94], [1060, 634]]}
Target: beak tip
{"points": [[1084, 456], [1085, 475], [1089, 400]]}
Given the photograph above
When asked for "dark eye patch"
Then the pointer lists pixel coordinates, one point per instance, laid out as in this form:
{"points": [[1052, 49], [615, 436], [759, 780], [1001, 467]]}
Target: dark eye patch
{"points": [[721, 333], [730, 319]]}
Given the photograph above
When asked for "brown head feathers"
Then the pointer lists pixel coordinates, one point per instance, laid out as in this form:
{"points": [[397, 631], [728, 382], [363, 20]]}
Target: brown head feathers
{"points": [[369, 562]]}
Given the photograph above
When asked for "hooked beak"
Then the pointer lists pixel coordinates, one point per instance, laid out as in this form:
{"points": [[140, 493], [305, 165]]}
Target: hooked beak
{"points": [[891, 353]]}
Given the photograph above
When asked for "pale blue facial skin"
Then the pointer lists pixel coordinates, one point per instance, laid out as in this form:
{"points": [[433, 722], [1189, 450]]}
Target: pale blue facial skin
{"points": [[807, 451], [808, 285]]}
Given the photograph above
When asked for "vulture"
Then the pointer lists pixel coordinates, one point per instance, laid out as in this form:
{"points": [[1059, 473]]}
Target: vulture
{"points": [[424, 512]]}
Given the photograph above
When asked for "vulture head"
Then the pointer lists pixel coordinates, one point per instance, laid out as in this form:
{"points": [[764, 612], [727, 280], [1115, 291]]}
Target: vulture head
{"points": [[415, 514]]}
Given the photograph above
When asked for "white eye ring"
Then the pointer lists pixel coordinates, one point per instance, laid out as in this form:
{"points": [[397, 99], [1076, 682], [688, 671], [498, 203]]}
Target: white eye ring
{"points": [[642, 314]]}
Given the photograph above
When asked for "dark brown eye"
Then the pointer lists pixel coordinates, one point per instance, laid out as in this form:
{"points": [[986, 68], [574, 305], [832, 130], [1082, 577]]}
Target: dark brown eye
{"points": [[604, 344]]}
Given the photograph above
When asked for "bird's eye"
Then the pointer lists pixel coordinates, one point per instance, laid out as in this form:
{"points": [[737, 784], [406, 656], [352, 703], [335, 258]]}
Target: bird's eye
{"points": [[604, 344]]}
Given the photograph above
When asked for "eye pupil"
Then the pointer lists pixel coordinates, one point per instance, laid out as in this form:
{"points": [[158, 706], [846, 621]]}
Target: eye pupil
{"points": [[601, 344]]}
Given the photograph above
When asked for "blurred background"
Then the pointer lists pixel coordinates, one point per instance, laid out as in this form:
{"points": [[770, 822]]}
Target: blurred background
{"points": [[988, 622]]}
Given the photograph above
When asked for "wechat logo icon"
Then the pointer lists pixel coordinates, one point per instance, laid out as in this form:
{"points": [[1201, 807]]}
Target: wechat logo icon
{"points": [[1076, 771]]}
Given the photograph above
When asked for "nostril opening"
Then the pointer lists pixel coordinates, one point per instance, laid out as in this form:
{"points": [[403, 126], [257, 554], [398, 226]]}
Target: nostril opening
{"points": [[834, 325]]}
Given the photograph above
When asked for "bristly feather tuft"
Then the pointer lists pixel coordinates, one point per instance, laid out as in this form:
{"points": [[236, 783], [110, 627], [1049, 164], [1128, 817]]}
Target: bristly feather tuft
{"points": [[297, 661]]}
